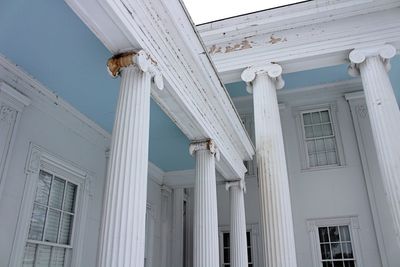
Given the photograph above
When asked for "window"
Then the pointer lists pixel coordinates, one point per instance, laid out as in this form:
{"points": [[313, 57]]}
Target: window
{"points": [[336, 247], [320, 138], [50, 231], [225, 258], [335, 242], [320, 141]]}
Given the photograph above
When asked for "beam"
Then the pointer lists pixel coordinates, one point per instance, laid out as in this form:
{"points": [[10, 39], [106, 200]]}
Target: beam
{"points": [[194, 97]]}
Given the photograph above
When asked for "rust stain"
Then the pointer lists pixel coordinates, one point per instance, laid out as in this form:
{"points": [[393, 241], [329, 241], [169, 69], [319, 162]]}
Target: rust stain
{"points": [[274, 40]]}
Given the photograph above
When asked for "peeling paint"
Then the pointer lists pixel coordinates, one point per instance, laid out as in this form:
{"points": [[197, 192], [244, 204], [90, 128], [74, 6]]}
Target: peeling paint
{"points": [[274, 40]]}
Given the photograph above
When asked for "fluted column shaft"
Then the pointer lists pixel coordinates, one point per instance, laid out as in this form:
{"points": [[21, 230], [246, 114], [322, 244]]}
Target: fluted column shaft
{"points": [[124, 216], [276, 213], [384, 114], [205, 225], [238, 239]]}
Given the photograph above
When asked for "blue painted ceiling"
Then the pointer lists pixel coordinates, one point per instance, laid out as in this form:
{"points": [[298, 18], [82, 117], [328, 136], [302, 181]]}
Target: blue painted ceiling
{"points": [[51, 43]]}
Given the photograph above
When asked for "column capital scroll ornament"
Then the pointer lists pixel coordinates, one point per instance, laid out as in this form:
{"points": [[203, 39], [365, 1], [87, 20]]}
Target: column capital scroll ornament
{"points": [[359, 55], [241, 184], [208, 144], [273, 70], [139, 59]]}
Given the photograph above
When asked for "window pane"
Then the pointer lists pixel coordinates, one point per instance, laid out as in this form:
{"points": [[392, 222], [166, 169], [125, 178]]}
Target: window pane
{"points": [[331, 157], [309, 131], [311, 146], [312, 160], [315, 118], [334, 234], [336, 251], [43, 188], [327, 129], [319, 145], [52, 225], [307, 118], [227, 258], [344, 233], [349, 264], [325, 116], [70, 196], [57, 193], [249, 254], [327, 264], [57, 257], [330, 144], [322, 160], [42, 256], [338, 264], [317, 130], [248, 239], [226, 239], [326, 251], [347, 250], [37, 223], [323, 234], [29, 255], [66, 227]]}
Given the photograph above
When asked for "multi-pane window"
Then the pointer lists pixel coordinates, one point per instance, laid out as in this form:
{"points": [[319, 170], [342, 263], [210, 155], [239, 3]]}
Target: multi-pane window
{"points": [[319, 137], [336, 246], [50, 231], [226, 259]]}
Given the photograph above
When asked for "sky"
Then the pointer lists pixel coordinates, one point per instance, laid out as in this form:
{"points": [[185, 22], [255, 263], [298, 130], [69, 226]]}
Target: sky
{"points": [[203, 11]]}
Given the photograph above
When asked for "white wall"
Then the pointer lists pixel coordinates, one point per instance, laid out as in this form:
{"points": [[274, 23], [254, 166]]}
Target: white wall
{"points": [[56, 127], [329, 193]]}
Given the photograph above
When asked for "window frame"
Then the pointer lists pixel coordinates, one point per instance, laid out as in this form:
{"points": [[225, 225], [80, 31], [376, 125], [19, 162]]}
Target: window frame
{"points": [[304, 158], [254, 233], [40, 159], [350, 221]]}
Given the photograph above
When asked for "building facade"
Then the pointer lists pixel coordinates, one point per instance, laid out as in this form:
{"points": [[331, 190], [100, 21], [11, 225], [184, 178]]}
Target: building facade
{"points": [[131, 137]]}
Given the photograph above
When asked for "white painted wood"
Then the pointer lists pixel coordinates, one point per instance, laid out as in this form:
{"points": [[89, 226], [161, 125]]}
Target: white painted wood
{"points": [[300, 37], [238, 239], [166, 226], [276, 213], [194, 96], [12, 104], [384, 114], [123, 224], [205, 224], [177, 227]]}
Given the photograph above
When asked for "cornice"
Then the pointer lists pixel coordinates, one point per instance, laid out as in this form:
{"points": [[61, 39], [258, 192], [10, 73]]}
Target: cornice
{"points": [[194, 97], [301, 37]]}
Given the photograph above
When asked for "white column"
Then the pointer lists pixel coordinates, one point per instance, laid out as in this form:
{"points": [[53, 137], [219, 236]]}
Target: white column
{"points": [[276, 212], [123, 224], [238, 239], [373, 64], [205, 225]]}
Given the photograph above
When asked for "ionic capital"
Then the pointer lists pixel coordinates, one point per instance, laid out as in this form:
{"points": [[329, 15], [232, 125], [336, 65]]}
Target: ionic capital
{"points": [[359, 55], [139, 59], [208, 144], [240, 184], [273, 70]]}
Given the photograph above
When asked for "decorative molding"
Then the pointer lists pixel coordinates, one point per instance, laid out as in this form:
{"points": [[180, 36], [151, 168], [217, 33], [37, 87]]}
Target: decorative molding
{"points": [[273, 70], [300, 37], [37, 159], [208, 144], [139, 59], [12, 104], [31, 91], [358, 56], [155, 173], [240, 184]]}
